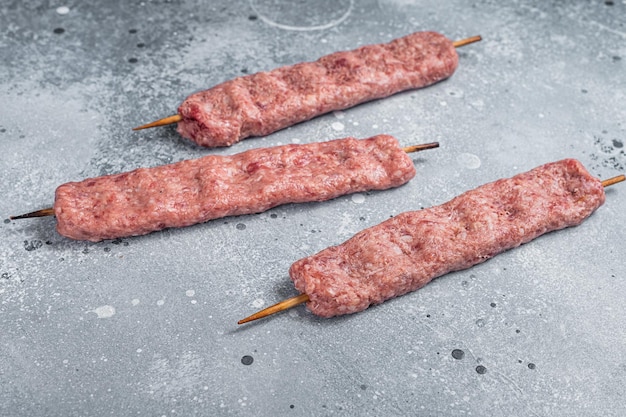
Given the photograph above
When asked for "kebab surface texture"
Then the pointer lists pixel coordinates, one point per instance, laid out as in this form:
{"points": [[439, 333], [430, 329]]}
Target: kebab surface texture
{"points": [[198, 190], [407, 251], [262, 103]]}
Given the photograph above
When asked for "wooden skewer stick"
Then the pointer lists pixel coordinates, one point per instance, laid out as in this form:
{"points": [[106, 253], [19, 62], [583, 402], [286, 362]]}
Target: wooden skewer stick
{"points": [[422, 147], [613, 181], [170, 120], [283, 305], [303, 298], [50, 211], [39, 213], [467, 41]]}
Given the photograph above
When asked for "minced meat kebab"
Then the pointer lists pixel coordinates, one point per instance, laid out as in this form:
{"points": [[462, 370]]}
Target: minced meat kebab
{"points": [[262, 103], [194, 191], [407, 251]]}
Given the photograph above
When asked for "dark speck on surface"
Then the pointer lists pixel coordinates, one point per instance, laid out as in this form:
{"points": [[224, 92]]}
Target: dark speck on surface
{"points": [[107, 249], [7, 221], [531, 365], [59, 31], [618, 143], [617, 58], [141, 45], [609, 3], [363, 387], [493, 305], [481, 369], [292, 406], [240, 226], [132, 31], [273, 215], [132, 60], [253, 17], [247, 360], [32, 245], [458, 354]]}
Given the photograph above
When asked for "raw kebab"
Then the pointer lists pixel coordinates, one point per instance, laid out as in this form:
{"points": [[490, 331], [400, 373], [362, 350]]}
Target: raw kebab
{"points": [[262, 103], [195, 191], [407, 251]]}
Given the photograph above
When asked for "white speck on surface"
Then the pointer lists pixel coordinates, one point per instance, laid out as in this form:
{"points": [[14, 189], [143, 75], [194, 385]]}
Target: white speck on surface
{"points": [[160, 302], [339, 114], [190, 293], [358, 198], [135, 301], [258, 303], [139, 350], [104, 312], [468, 160], [338, 126], [443, 103], [296, 140], [63, 10]]}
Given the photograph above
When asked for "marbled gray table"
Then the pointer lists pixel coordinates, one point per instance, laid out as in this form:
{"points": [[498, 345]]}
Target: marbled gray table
{"points": [[147, 326]]}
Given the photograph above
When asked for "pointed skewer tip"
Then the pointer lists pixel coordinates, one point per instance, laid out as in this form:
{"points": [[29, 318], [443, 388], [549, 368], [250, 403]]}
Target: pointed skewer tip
{"points": [[283, 305], [422, 147], [38, 213], [170, 120]]}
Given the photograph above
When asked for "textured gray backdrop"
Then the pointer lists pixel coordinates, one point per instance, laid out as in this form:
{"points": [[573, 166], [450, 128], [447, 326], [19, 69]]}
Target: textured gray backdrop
{"points": [[147, 326]]}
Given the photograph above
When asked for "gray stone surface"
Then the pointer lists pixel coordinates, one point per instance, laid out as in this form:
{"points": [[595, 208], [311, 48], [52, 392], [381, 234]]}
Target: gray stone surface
{"points": [[147, 326]]}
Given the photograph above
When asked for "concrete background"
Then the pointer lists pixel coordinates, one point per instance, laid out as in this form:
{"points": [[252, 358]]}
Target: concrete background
{"points": [[147, 326]]}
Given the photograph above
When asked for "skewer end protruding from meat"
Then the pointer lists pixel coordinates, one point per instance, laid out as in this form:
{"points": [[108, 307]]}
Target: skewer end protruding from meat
{"points": [[39, 213], [611, 181], [281, 306], [170, 120], [422, 147], [467, 41]]}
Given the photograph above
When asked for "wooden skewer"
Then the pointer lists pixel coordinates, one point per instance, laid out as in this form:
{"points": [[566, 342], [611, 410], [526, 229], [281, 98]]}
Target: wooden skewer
{"points": [[467, 41], [170, 120], [304, 298], [283, 305], [613, 181], [39, 213], [50, 211]]}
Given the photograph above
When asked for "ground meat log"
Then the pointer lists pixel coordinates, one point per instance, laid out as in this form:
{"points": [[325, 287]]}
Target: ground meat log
{"points": [[406, 252], [194, 191], [262, 103]]}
